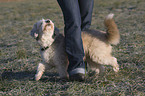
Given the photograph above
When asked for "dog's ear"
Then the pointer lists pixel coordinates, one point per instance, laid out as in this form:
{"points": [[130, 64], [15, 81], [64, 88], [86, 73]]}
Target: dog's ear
{"points": [[56, 32], [33, 30]]}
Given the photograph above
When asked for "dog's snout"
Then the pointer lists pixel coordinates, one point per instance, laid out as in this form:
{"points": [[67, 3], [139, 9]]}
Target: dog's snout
{"points": [[47, 21]]}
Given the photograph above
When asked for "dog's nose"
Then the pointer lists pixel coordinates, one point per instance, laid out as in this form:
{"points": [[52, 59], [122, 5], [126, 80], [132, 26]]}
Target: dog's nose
{"points": [[47, 21]]}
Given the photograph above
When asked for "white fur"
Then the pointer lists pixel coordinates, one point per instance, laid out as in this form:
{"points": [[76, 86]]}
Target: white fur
{"points": [[110, 16], [40, 70], [96, 46]]}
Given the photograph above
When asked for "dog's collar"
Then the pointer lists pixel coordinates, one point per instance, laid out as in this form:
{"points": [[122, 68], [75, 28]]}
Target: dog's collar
{"points": [[43, 49]]}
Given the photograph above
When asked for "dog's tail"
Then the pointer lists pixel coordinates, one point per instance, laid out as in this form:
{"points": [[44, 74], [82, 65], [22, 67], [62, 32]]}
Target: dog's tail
{"points": [[112, 35]]}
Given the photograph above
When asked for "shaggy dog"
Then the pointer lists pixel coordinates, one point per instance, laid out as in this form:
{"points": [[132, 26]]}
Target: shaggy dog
{"points": [[97, 47]]}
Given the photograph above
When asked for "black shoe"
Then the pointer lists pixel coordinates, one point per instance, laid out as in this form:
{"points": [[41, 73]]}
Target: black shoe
{"points": [[77, 77]]}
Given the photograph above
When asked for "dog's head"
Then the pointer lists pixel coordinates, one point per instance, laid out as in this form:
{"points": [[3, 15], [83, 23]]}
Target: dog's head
{"points": [[43, 32]]}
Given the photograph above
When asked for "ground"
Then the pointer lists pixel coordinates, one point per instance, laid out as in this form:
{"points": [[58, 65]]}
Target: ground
{"points": [[19, 52]]}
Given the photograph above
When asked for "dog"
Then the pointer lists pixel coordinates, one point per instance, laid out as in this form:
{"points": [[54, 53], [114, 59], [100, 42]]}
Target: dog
{"points": [[97, 47]]}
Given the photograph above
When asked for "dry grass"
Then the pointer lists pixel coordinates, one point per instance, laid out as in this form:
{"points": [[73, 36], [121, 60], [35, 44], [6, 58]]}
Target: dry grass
{"points": [[19, 53], [10, 0]]}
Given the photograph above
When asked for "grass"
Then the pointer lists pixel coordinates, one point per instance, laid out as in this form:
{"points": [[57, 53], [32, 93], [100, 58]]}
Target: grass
{"points": [[19, 53]]}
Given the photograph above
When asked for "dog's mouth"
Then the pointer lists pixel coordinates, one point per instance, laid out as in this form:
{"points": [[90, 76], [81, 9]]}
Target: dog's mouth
{"points": [[46, 23]]}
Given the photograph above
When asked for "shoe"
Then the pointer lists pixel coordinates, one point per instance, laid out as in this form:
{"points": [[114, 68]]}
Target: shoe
{"points": [[78, 74], [77, 77]]}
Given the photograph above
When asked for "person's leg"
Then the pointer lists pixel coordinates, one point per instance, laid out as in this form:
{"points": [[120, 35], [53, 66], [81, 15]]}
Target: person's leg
{"points": [[73, 41], [86, 9]]}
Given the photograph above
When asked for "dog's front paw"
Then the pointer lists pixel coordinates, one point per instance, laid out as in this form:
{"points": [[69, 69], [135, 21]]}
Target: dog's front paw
{"points": [[38, 76]]}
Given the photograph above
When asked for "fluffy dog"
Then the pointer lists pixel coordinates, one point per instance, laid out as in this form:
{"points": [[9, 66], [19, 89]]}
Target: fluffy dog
{"points": [[97, 47]]}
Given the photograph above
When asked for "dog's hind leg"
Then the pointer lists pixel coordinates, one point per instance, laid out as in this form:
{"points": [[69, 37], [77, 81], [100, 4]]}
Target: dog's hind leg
{"points": [[107, 60], [99, 69], [115, 65], [40, 70]]}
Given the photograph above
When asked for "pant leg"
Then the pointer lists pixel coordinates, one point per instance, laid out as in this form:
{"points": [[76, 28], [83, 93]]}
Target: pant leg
{"points": [[86, 9], [73, 41]]}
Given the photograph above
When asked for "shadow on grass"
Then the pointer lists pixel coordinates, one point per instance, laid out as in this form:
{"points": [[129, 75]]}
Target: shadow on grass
{"points": [[27, 75], [9, 75]]}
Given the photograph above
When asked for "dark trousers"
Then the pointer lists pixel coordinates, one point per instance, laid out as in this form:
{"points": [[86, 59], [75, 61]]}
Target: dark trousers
{"points": [[77, 17]]}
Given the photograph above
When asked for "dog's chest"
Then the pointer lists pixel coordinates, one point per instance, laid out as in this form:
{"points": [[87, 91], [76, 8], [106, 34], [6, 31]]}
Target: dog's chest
{"points": [[55, 52], [47, 55]]}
